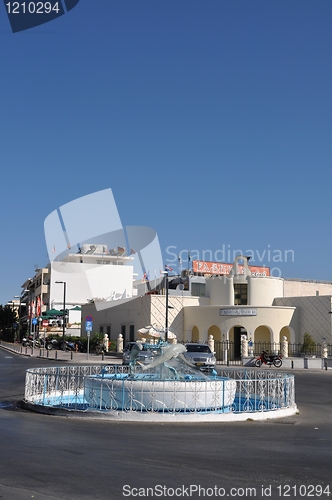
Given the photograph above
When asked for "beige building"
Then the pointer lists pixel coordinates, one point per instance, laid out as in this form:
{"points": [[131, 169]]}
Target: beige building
{"points": [[264, 308]]}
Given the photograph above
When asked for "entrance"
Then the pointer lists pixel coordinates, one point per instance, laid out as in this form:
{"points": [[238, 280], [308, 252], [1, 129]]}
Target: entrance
{"points": [[238, 331]]}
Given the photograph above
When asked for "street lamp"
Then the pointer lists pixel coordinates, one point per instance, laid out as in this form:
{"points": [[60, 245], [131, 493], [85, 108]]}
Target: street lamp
{"points": [[167, 307], [64, 313], [19, 314], [166, 315]]}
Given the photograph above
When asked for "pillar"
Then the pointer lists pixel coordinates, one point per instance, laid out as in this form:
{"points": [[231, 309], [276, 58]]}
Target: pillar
{"points": [[284, 347], [119, 343], [244, 346]]}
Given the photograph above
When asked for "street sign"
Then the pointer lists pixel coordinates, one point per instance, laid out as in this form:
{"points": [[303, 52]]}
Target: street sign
{"points": [[88, 326], [45, 323], [88, 318], [34, 321]]}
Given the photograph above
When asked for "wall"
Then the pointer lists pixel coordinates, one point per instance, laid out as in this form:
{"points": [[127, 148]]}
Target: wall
{"points": [[313, 316], [299, 288], [140, 312], [85, 281], [204, 317], [262, 291]]}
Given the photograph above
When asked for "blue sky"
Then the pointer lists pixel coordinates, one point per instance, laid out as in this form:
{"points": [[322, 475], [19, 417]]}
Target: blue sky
{"points": [[210, 120]]}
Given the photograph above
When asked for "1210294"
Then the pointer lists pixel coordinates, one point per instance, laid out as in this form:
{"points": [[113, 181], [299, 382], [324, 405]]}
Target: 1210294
{"points": [[32, 7]]}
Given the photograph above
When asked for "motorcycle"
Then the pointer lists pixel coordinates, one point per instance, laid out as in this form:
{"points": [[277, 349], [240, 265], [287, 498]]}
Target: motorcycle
{"points": [[31, 342], [268, 359]]}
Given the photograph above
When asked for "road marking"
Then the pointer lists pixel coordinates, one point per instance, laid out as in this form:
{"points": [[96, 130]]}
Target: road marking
{"points": [[9, 357]]}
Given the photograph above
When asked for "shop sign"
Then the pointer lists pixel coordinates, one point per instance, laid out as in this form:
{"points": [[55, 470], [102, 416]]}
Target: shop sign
{"points": [[206, 267], [238, 312]]}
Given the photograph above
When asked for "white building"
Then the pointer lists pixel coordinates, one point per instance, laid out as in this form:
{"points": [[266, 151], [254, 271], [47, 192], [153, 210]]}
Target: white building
{"points": [[93, 273], [227, 307]]}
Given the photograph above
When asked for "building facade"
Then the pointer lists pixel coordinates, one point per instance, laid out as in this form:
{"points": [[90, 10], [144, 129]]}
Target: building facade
{"points": [[226, 306]]}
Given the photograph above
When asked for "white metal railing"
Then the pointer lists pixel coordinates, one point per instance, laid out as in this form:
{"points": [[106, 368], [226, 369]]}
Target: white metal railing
{"points": [[109, 388]]}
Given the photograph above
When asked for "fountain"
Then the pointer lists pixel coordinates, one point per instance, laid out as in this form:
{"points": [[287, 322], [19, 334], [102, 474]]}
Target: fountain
{"points": [[168, 389], [169, 384]]}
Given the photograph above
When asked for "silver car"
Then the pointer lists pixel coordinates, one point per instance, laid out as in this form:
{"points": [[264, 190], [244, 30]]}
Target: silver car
{"points": [[200, 355], [144, 356]]}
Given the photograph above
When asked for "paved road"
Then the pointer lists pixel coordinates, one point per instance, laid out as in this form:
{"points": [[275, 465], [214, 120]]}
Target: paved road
{"points": [[45, 457]]}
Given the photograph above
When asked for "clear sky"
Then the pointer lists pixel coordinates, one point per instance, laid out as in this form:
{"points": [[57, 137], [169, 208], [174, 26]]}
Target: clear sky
{"points": [[210, 120]]}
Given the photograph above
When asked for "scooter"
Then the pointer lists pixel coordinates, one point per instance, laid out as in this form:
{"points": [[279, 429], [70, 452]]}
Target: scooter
{"points": [[268, 359]]}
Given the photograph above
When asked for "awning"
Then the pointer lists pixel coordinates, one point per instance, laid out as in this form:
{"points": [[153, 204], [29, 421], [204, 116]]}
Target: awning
{"points": [[52, 312]]}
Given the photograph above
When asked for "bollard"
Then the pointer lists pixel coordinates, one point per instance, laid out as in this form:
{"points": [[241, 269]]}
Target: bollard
{"points": [[47, 351], [325, 364], [56, 355], [102, 355], [71, 354], [40, 352], [292, 364]]}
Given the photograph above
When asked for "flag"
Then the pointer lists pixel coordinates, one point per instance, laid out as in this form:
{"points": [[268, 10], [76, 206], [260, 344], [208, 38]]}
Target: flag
{"points": [[168, 268], [180, 260], [38, 307], [189, 257], [144, 277]]}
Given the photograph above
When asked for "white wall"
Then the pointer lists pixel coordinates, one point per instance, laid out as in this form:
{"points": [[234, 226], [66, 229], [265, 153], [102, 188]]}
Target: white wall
{"points": [[299, 288], [313, 314], [85, 281], [205, 317], [262, 291], [220, 290]]}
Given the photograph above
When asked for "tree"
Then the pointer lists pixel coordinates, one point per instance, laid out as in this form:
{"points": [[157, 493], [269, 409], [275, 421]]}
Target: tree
{"points": [[8, 318], [309, 345]]}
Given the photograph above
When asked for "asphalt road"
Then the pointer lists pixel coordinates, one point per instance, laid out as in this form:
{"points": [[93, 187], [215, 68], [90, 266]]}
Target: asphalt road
{"points": [[49, 457]]}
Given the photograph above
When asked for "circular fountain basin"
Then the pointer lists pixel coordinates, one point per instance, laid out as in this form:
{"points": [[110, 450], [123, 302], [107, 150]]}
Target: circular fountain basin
{"points": [[144, 392]]}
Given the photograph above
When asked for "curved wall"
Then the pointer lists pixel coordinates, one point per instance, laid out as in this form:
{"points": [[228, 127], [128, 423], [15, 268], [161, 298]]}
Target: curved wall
{"points": [[220, 291], [263, 291]]}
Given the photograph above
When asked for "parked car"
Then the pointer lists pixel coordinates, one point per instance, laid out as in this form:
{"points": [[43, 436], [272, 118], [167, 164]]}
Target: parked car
{"points": [[200, 355], [144, 356]]}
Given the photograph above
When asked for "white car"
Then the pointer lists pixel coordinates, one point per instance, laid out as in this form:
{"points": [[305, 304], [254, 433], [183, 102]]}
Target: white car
{"points": [[200, 355]]}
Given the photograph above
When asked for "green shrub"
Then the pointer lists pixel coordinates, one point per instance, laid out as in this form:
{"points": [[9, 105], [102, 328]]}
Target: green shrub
{"points": [[309, 345]]}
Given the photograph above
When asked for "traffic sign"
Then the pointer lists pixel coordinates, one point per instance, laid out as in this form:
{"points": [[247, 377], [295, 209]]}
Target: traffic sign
{"points": [[88, 326], [88, 318], [45, 323], [34, 321]]}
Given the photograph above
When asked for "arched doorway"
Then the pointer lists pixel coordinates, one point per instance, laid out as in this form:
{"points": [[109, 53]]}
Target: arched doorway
{"points": [[215, 331], [286, 331], [195, 334], [235, 341], [262, 338]]}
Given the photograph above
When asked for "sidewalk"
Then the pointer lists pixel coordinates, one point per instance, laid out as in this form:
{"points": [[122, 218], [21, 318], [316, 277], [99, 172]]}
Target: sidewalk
{"points": [[317, 364], [58, 355]]}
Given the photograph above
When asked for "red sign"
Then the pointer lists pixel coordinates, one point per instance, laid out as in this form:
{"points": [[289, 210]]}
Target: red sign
{"points": [[45, 323], [205, 267]]}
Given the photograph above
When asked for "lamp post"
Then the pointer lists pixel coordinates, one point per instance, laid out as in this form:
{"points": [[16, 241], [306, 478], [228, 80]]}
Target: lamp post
{"points": [[64, 313], [166, 314], [165, 273], [20, 314]]}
